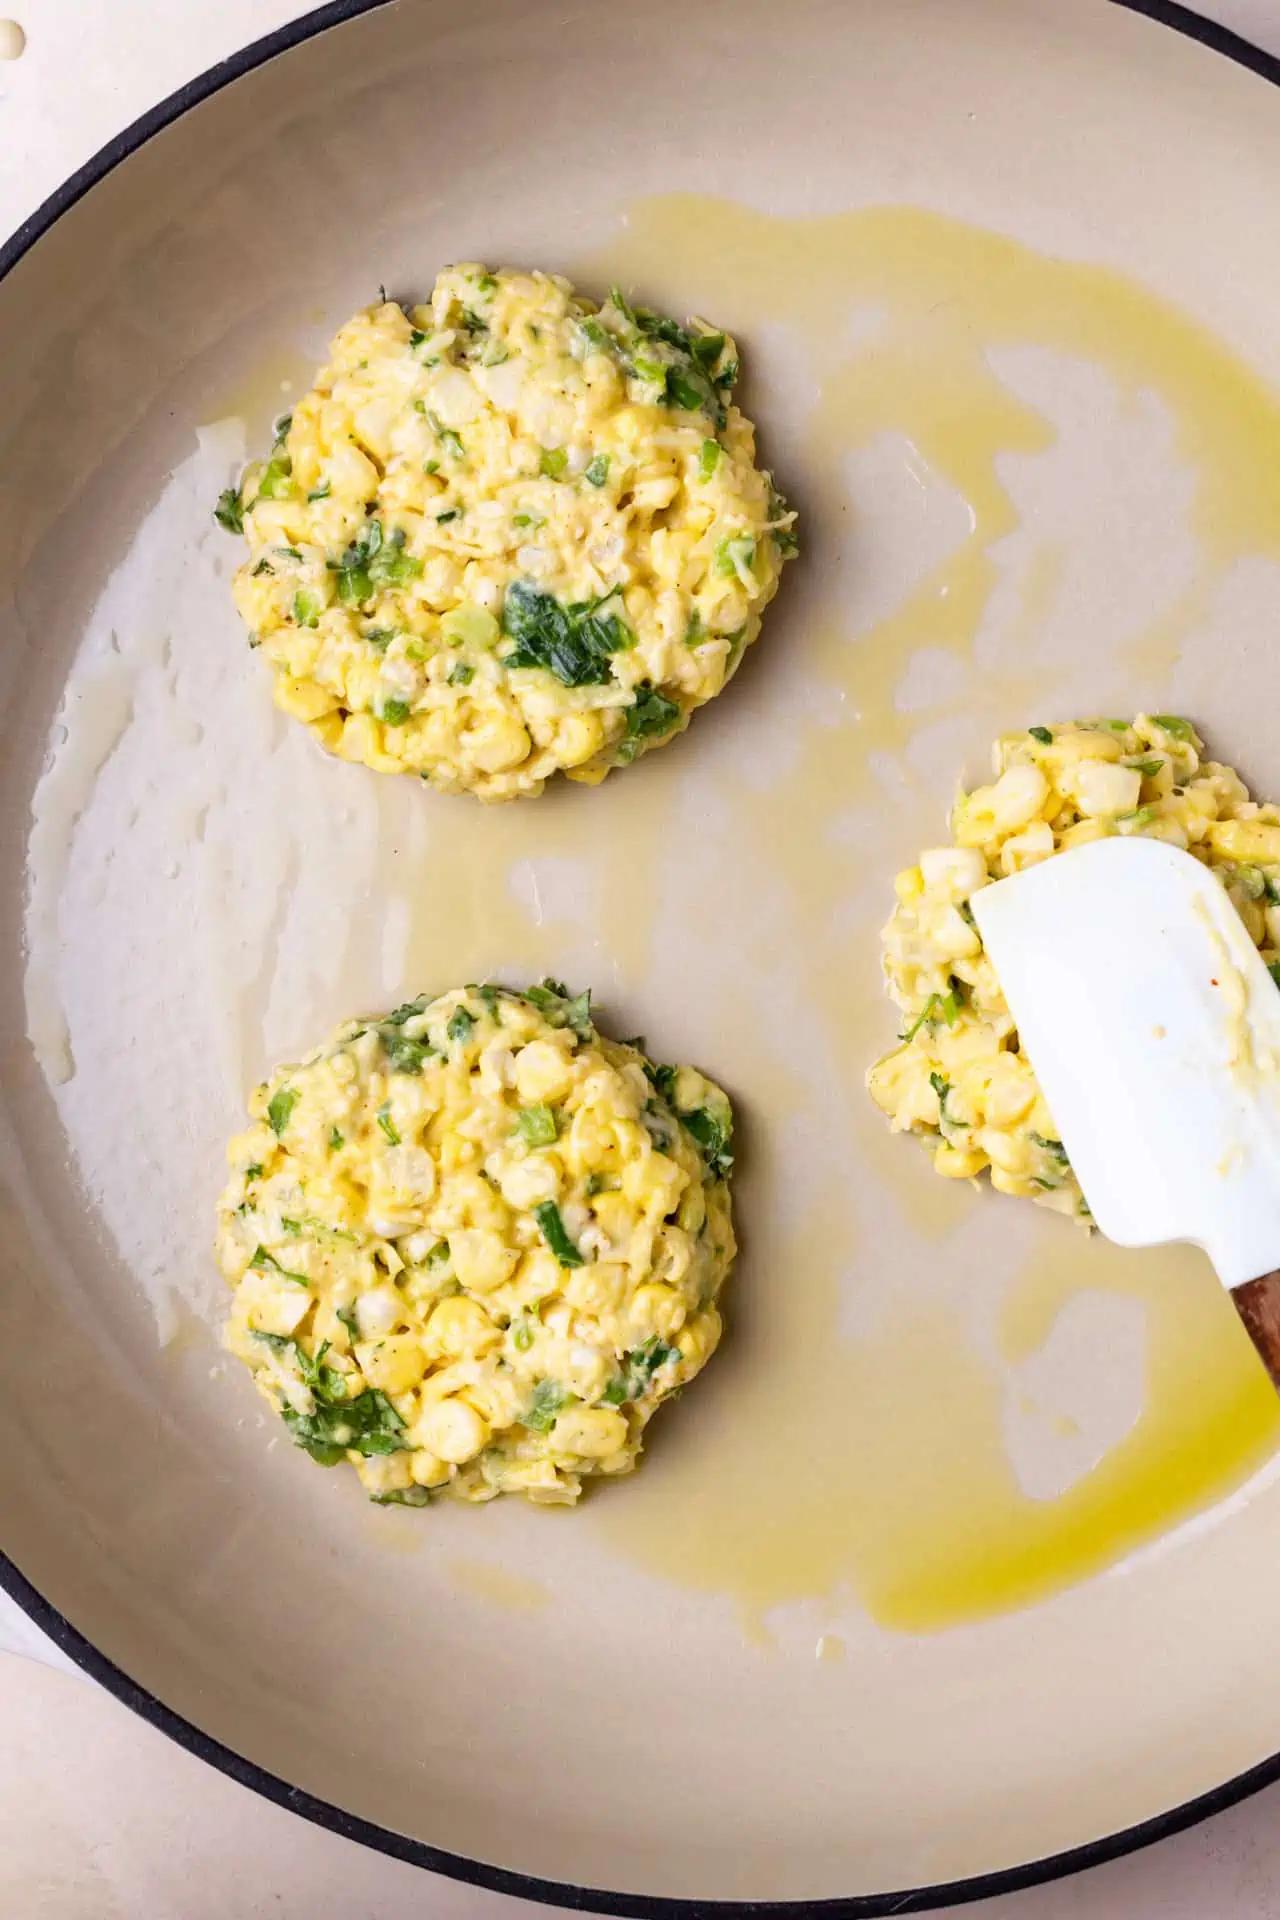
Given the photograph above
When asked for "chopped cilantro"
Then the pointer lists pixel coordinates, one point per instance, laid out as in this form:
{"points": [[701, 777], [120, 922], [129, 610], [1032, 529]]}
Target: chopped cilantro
{"points": [[574, 641], [560, 1008], [267, 1263], [229, 511]]}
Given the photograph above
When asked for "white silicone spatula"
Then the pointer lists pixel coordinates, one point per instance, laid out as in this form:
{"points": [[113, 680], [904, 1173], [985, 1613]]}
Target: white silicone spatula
{"points": [[1153, 1027]]}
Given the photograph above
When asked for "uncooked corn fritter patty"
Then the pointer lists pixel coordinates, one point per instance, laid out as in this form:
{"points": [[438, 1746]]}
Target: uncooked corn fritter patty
{"points": [[474, 1245], [508, 533], [958, 1078]]}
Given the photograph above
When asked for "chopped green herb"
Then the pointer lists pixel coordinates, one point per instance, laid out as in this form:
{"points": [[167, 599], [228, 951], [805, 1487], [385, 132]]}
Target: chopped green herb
{"points": [[367, 1425], [685, 393], [1054, 1148], [650, 716], [403, 1054], [560, 1008], [447, 437], [594, 334], [263, 566], [460, 1024], [229, 511], [335, 1140], [414, 1496], [1176, 727], [785, 539], [707, 348], [394, 713], [1147, 768], [267, 1263], [408, 1011], [735, 553], [254, 1170], [387, 1124], [483, 282], [709, 454], [574, 641], [380, 637], [462, 675], [549, 1400], [521, 1335], [641, 1365], [452, 513], [1042, 734], [489, 996], [321, 492], [1136, 818], [596, 1183], [1273, 968], [275, 482], [694, 630], [597, 471], [939, 1006], [552, 461], [306, 608], [547, 1215], [537, 1126], [279, 1107]]}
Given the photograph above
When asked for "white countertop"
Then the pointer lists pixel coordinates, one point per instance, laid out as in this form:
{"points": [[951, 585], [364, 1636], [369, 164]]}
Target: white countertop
{"points": [[101, 1818]]}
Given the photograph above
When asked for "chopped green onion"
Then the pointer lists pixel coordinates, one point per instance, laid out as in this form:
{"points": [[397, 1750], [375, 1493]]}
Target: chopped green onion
{"points": [[537, 1126], [306, 608], [734, 555], [462, 675], [387, 1123], [709, 458], [460, 1024], [335, 1140], [547, 1215], [394, 713], [552, 461], [598, 471], [1042, 734], [1174, 725], [279, 1107], [549, 1400]]}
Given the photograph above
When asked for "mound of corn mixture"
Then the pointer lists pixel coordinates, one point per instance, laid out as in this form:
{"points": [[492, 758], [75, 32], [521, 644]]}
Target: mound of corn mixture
{"points": [[508, 533], [958, 1078], [474, 1245]]}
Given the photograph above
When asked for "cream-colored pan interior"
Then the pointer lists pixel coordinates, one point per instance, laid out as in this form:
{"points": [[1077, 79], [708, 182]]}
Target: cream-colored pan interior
{"points": [[961, 1552]]}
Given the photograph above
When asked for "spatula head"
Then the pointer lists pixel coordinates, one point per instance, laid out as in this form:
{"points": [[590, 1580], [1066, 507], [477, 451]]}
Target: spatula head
{"points": [[1153, 1027]]}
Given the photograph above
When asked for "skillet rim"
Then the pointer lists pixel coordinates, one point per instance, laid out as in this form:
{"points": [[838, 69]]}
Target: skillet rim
{"points": [[81, 1651]]}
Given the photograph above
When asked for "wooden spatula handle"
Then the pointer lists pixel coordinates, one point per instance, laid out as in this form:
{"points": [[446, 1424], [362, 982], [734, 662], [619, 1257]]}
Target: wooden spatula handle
{"points": [[1258, 1304]]}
